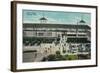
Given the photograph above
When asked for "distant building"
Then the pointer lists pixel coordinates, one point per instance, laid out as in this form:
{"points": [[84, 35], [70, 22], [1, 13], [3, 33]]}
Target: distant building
{"points": [[49, 38]]}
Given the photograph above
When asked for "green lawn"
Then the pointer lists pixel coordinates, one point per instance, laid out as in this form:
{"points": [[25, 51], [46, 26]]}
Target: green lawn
{"points": [[62, 57], [71, 57]]}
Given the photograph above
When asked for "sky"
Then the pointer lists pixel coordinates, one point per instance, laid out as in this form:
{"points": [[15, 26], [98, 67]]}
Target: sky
{"points": [[55, 17]]}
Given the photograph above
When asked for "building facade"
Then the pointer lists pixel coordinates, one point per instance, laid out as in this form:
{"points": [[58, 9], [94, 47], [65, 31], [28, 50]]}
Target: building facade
{"points": [[49, 38]]}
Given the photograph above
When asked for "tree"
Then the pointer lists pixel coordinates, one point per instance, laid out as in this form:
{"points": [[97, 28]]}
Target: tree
{"points": [[51, 57], [57, 52]]}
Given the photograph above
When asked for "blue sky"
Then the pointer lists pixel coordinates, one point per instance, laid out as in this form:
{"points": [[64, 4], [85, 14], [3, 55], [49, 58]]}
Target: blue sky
{"points": [[33, 16]]}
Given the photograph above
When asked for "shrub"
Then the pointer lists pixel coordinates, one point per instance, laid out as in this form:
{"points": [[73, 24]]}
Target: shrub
{"points": [[64, 51], [51, 57], [44, 59], [57, 52]]}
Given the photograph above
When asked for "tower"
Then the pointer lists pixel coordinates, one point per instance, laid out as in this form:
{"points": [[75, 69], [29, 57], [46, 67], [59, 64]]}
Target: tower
{"points": [[82, 22], [43, 19]]}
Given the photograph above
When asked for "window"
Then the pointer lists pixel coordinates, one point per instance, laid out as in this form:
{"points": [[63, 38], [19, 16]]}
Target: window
{"points": [[40, 34]]}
